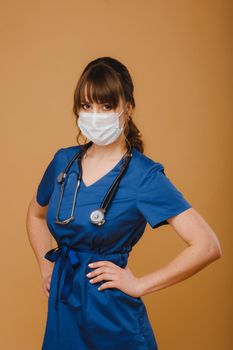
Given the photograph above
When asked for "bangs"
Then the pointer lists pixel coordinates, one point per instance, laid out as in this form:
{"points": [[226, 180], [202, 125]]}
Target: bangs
{"points": [[101, 85]]}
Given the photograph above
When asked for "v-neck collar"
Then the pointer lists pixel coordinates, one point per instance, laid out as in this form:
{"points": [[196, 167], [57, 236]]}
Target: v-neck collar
{"points": [[116, 166]]}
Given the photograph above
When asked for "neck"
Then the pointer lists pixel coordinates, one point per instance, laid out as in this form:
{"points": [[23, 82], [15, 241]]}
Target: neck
{"points": [[113, 150]]}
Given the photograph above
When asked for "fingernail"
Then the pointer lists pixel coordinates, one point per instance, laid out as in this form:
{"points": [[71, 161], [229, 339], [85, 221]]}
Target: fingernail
{"points": [[90, 265]]}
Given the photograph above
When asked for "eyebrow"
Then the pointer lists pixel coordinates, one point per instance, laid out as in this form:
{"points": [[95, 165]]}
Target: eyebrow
{"points": [[104, 103]]}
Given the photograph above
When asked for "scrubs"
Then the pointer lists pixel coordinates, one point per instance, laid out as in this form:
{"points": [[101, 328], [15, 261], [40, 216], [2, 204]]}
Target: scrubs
{"points": [[79, 316]]}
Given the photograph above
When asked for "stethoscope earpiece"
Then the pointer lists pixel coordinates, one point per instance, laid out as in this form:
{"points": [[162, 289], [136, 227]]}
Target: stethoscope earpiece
{"points": [[61, 177]]}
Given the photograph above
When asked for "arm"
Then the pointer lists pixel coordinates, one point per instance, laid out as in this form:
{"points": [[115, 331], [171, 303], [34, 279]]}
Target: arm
{"points": [[40, 238], [203, 248]]}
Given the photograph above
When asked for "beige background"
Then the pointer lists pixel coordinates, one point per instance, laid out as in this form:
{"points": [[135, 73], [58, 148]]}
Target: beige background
{"points": [[179, 54]]}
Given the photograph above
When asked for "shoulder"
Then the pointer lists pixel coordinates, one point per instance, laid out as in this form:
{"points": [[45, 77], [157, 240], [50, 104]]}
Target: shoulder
{"points": [[147, 166], [67, 152]]}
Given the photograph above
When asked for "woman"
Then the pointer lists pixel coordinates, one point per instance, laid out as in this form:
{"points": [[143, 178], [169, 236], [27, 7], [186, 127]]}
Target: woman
{"points": [[94, 299]]}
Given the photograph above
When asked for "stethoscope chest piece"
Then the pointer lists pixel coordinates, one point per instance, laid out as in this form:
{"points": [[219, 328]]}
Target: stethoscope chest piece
{"points": [[97, 217]]}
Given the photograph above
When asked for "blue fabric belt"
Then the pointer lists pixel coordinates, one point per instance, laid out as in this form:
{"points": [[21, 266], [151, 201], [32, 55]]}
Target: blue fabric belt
{"points": [[70, 260]]}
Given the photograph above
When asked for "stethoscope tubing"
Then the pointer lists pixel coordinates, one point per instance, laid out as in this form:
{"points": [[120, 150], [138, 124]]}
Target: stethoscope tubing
{"points": [[97, 216]]}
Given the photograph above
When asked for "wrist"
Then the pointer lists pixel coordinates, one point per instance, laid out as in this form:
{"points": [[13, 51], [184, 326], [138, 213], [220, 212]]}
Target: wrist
{"points": [[141, 286], [46, 270]]}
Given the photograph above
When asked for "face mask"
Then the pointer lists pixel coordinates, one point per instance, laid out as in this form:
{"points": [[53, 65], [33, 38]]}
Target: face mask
{"points": [[101, 128]]}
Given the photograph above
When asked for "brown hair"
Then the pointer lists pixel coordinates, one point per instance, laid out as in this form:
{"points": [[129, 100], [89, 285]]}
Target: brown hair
{"points": [[106, 80]]}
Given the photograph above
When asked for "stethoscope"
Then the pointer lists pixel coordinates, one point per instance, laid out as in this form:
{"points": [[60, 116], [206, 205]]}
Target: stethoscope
{"points": [[97, 216]]}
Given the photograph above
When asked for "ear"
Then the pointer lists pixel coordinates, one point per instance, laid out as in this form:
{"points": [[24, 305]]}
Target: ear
{"points": [[129, 108]]}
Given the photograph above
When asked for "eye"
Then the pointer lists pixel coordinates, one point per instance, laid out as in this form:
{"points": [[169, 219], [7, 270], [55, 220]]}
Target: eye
{"points": [[85, 104], [108, 106]]}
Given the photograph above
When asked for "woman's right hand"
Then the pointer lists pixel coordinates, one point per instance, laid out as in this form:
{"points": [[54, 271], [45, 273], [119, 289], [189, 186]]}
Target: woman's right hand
{"points": [[46, 280]]}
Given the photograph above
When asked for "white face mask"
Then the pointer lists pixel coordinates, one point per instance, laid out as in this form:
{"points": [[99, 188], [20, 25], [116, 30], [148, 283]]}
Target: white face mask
{"points": [[101, 128]]}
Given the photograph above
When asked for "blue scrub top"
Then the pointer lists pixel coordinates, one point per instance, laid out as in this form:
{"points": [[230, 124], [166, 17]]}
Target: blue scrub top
{"points": [[80, 316]]}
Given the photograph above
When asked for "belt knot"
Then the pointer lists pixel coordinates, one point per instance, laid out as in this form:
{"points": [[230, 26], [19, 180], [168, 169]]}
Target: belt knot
{"points": [[69, 261]]}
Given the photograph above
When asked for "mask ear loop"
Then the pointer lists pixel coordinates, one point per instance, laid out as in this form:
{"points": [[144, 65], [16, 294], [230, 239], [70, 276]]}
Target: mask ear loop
{"points": [[119, 114]]}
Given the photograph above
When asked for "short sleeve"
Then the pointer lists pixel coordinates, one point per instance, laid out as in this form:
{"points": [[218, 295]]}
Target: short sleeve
{"points": [[158, 198], [46, 185]]}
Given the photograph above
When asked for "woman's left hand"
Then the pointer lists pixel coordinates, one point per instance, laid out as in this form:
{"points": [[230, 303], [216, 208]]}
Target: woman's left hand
{"points": [[116, 277]]}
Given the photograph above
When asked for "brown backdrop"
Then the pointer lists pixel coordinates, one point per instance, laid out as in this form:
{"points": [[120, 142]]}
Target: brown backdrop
{"points": [[180, 56]]}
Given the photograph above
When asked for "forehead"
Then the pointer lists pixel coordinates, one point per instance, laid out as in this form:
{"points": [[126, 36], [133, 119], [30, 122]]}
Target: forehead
{"points": [[99, 93]]}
